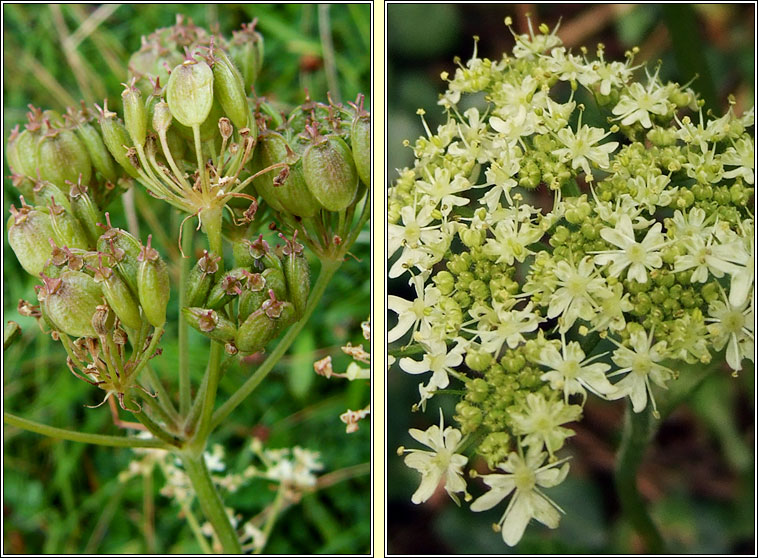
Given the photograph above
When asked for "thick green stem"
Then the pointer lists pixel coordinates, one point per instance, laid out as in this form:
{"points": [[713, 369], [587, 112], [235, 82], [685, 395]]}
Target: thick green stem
{"points": [[209, 396], [185, 395], [328, 269], [74, 436], [210, 502], [638, 430]]}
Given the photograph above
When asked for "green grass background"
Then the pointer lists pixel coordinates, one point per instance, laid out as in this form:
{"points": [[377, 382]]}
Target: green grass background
{"points": [[699, 472], [63, 497]]}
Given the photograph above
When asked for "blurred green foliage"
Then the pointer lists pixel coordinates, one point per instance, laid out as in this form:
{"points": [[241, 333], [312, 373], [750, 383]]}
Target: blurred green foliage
{"points": [[700, 468], [63, 497]]}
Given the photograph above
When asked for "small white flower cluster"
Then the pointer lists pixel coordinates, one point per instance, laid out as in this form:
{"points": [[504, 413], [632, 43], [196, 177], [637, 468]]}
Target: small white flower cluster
{"points": [[548, 257]]}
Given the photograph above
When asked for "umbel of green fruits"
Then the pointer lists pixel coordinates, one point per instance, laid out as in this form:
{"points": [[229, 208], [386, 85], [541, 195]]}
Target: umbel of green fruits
{"points": [[193, 135]]}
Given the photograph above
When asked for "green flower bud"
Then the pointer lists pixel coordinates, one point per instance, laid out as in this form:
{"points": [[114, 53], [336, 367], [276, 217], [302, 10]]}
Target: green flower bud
{"points": [[229, 89], [284, 189], [330, 173], [70, 302], [478, 361], [118, 295], [211, 324], [200, 278], [153, 285], [29, 234], [189, 92], [62, 156], [135, 114], [297, 273]]}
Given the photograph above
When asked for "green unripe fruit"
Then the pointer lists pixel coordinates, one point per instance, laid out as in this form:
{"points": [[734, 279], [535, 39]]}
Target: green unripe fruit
{"points": [[200, 279], [360, 141], [330, 173], [135, 115], [124, 249], [254, 293], [22, 154], [67, 230], [246, 50], [189, 92], [153, 285], [70, 301], [284, 189], [264, 324], [62, 157], [99, 155], [29, 234], [297, 274], [211, 324], [119, 296], [229, 89], [226, 288], [161, 120], [118, 142]]}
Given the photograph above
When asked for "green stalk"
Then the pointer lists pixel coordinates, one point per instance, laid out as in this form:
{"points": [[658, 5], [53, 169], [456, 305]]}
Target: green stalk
{"points": [[185, 396], [84, 437], [328, 269], [209, 397], [156, 430], [163, 397], [274, 512], [638, 430], [211, 504]]}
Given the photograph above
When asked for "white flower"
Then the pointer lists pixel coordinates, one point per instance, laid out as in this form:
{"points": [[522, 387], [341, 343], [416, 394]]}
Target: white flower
{"points": [[637, 256], [732, 326], [574, 297], [540, 421], [742, 156], [523, 476], [411, 314], [640, 366], [581, 149], [511, 240], [509, 328], [441, 462], [571, 373], [437, 360], [638, 103], [441, 190]]}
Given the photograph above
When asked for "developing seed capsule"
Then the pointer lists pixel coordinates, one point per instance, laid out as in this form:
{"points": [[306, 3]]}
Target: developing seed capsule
{"points": [[189, 92], [29, 234], [297, 273], [264, 324], [98, 153], [284, 189], [117, 140], [360, 140], [22, 153], [211, 324], [70, 302], [200, 279], [253, 294], [44, 191], [226, 288], [330, 172], [135, 114], [67, 230], [124, 249], [246, 50], [62, 156], [229, 89], [85, 211], [118, 295], [153, 285]]}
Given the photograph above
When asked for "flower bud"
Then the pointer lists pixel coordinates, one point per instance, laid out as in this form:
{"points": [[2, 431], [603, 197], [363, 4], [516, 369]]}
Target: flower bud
{"points": [[70, 302], [118, 296], [135, 115], [297, 273], [284, 189], [360, 140], [330, 173], [62, 156], [229, 89], [211, 324], [200, 278], [189, 92], [29, 232], [153, 285]]}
